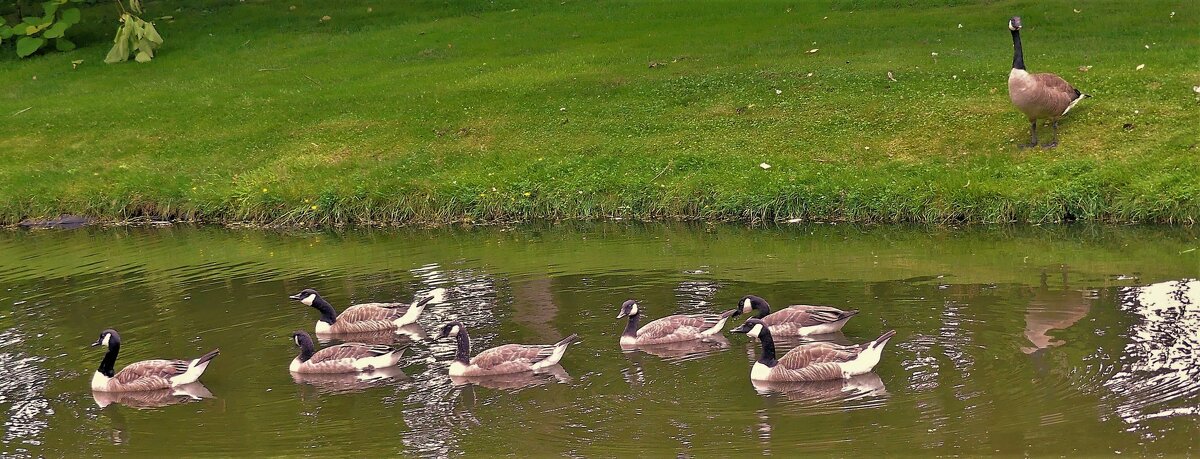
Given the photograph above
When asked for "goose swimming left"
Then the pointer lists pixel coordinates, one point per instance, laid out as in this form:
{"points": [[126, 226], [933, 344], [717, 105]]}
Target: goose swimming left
{"points": [[146, 374]]}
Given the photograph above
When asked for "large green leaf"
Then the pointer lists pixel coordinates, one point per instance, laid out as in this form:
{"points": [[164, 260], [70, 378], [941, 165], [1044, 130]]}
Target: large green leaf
{"points": [[152, 34], [120, 49], [56, 31], [51, 8], [29, 45], [70, 16], [5, 31], [142, 57], [62, 44]]}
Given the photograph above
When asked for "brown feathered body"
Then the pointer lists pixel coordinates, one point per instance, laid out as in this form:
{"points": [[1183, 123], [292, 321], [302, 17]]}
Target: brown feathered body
{"points": [[1041, 95]]}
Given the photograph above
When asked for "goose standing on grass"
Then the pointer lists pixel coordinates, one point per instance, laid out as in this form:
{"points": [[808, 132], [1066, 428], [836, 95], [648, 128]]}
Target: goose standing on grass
{"points": [[798, 319], [814, 361], [147, 374], [1038, 95], [366, 317], [341, 358], [679, 327], [509, 358]]}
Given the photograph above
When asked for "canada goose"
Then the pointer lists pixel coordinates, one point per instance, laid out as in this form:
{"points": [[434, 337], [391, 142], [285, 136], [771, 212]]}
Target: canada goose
{"points": [[146, 374], [341, 358], [814, 361], [1038, 95], [679, 327], [798, 319], [509, 358], [153, 398], [365, 317]]}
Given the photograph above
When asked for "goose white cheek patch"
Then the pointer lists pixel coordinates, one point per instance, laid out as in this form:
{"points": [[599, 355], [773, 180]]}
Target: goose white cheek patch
{"points": [[454, 330], [755, 331], [633, 309], [308, 300], [105, 341], [746, 306]]}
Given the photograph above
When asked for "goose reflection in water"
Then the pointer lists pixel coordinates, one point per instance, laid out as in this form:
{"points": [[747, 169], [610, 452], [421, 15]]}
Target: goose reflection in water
{"points": [[341, 383], [410, 333], [1052, 309], [153, 398], [683, 350], [867, 384], [516, 381]]}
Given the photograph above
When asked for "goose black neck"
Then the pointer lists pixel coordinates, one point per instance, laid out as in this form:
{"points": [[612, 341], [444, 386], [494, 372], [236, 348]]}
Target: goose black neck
{"points": [[328, 314], [1018, 57], [763, 309], [306, 350], [768, 346], [463, 353], [107, 366], [631, 326]]}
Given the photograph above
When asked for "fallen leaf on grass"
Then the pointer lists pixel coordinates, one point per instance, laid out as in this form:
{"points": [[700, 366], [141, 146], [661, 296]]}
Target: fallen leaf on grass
{"points": [[1084, 68], [75, 64], [1196, 89], [890, 77], [812, 51], [1141, 66], [765, 166], [325, 18], [1075, 10]]}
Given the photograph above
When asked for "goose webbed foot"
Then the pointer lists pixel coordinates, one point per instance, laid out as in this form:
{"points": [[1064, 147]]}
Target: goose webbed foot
{"points": [[1052, 144]]}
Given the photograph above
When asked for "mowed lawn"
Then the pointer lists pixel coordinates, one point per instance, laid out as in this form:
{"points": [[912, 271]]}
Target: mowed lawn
{"points": [[307, 111]]}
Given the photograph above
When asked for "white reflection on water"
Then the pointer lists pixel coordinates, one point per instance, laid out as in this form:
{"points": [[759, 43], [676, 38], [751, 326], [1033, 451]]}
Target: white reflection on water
{"points": [[23, 389], [1160, 366]]}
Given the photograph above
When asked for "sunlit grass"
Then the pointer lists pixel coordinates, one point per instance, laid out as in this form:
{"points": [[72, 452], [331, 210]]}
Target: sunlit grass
{"points": [[395, 112]]}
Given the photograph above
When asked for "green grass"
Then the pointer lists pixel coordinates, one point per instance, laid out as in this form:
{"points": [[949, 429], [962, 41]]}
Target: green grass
{"points": [[428, 112]]}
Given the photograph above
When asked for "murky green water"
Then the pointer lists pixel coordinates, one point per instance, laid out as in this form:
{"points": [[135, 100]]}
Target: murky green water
{"points": [[1033, 341]]}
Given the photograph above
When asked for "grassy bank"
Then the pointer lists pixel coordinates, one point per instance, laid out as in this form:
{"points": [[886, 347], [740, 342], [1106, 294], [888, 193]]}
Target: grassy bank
{"points": [[451, 111]]}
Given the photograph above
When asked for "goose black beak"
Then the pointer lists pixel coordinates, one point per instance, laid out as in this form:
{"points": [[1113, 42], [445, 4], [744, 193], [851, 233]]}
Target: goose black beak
{"points": [[296, 297], [621, 314], [97, 343]]}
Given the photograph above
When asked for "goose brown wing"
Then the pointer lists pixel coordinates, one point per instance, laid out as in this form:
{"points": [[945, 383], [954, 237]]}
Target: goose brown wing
{"points": [[149, 374], [1056, 93], [372, 311], [510, 354], [807, 316], [351, 351], [680, 324], [816, 359]]}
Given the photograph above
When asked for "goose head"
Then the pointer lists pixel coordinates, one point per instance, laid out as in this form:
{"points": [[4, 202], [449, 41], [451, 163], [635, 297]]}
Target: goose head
{"points": [[1014, 24], [306, 296], [748, 304], [451, 329], [752, 327], [302, 339], [628, 308], [108, 337]]}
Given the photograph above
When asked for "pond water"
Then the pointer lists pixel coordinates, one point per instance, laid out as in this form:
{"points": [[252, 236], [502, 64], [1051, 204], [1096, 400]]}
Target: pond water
{"points": [[1017, 341]]}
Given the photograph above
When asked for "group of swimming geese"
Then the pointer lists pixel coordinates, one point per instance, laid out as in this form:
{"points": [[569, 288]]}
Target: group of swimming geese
{"points": [[817, 361], [1038, 96]]}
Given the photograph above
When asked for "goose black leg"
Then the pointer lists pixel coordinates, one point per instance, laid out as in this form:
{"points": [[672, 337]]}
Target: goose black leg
{"points": [[1053, 141], [1032, 135]]}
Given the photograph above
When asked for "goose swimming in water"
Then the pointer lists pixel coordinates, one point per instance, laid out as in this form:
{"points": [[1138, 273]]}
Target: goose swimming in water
{"points": [[1038, 95], [679, 327], [146, 374], [366, 317], [509, 358], [800, 319], [812, 362], [341, 358]]}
